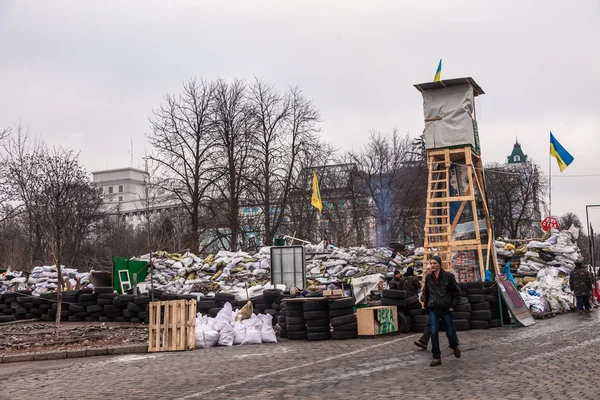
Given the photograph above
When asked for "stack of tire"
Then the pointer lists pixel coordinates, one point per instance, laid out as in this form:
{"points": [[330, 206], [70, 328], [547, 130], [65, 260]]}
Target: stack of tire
{"points": [[481, 296], [461, 315], [316, 314], [342, 319], [273, 300], [407, 307], [16, 306], [295, 323], [282, 318]]}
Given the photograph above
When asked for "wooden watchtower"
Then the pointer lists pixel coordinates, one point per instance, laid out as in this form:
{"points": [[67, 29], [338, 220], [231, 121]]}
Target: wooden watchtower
{"points": [[457, 224]]}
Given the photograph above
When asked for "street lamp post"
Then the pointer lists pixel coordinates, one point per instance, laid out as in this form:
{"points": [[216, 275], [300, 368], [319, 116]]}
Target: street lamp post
{"points": [[590, 238]]}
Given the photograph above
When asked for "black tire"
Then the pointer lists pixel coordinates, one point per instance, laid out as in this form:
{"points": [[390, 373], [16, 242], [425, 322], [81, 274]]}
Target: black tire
{"points": [[73, 318], [46, 317], [463, 300], [108, 296], [283, 333], [110, 308], [315, 306], [135, 320], [461, 325], [271, 311], [347, 327], [104, 302], [166, 297], [400, 303], [97, 314], [420, 319], [7, 311], [462, 285], [340, 304], [64, 313], [412, 301], [76, 308], [87, 297], [4, 306], [340, 312], [481, 315], [206, 305], [119, 319], [474, 324], [45, 306], [474, 285], [126, 298], [91, 319], [316, 329], [84, 290], [344, 335], [271, 293], [394, 294], [317, 322], [318, 336], [7, 318], [418, 311], [81, 314], [295, 320], [476, 298], [94, 308], [295, 328], [480, 306], [495, 323], [37, 301], [404, 323], [461, 315], [475, 291], [492, 298], [103, 289], [134, 307], [343, 320], [226, 297], [36, 311], [312, 315], [128, 314], [293, 305], [463, 308], [23, 299], [283, 326], [282, 319], [87, 303], [104, 319], [294, 313], [214, 311], [296, 335], [142, 300]]}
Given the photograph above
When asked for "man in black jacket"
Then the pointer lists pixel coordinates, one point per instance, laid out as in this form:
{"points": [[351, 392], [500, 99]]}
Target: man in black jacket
{"points": [[441, 294]]}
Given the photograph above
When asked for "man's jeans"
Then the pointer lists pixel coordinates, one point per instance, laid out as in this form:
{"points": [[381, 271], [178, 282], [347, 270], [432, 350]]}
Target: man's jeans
{"points": [[446, 319], [583, 302]]}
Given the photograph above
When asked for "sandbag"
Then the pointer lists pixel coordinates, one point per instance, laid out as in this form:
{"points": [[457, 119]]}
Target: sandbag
{"points": [[267, 332]]}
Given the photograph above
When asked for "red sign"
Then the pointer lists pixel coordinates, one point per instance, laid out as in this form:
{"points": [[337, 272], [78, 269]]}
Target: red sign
{"points": [[549, 223]]}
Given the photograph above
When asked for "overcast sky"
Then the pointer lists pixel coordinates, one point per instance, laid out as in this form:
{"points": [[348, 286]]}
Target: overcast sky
{"points": [[86, 75]]}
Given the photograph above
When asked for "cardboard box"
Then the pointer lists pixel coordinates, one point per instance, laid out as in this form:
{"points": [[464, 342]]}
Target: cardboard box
{"points": [[333, 293], [380, 320]]}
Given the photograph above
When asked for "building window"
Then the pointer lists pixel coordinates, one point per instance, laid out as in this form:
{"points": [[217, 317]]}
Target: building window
{"points": [[110, 189], [120, 198], [100, 190], [517, 159], [121, 189]]}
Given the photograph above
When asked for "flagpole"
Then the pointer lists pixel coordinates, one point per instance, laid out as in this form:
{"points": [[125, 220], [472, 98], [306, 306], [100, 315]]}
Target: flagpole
{"points": [[550, 183]]}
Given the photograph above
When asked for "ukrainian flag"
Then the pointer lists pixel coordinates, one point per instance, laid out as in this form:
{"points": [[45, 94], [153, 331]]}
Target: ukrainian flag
{"points": [[563, 158], [438, 73]]}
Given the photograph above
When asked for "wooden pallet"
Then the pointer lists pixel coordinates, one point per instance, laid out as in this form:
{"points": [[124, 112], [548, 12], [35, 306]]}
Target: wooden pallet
{"points": [[172, 325]]}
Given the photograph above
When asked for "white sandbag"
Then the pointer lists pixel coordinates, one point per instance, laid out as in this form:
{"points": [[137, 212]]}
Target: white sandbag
{"points": [[206, 336], [239, 332], [253, 331], [267, 332]]}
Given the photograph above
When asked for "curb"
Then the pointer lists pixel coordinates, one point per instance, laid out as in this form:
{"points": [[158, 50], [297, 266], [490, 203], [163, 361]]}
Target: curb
{"points": [[76, 353]]}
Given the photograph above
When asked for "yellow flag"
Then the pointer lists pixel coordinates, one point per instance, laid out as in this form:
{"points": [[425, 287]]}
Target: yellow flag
{"points": [[316, 195]]}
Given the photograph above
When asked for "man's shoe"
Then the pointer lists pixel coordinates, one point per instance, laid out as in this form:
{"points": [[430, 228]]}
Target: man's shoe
{"points": [[456, 352], [435, 362], [420, 344]]}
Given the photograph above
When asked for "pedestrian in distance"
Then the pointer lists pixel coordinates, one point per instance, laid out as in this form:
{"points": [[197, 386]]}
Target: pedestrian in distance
{"points": [[410, 283], [424, 339], [396, 281], [441, 294], [581, 284]]}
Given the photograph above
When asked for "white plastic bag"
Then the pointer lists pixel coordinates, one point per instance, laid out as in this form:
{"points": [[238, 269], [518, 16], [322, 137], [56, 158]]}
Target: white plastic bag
{"points": [[253, 331], [267, 332], [226, 335], [223, 325]]}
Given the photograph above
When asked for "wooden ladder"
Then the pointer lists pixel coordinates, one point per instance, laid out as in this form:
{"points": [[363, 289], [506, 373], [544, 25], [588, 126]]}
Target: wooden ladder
{"points": [[438, 233]]}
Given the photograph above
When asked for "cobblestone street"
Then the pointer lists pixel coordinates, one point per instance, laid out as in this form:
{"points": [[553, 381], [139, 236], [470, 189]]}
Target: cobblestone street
{"points": [[556, 358]]}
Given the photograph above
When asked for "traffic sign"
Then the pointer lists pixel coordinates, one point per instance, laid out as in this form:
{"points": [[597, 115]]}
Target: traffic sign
{"points": [[549, 223]]}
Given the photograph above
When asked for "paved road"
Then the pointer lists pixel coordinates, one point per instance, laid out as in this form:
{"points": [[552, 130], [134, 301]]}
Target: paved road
{"points": [[556, 358]]}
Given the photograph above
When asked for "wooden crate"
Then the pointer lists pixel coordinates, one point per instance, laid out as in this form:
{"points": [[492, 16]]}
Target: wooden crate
{"points": [[374, 321], [172, 325]]}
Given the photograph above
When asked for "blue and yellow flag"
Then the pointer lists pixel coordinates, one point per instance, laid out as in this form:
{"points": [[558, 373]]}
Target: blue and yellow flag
{"points": [[563, 158], [438, 73], [316, 195]]}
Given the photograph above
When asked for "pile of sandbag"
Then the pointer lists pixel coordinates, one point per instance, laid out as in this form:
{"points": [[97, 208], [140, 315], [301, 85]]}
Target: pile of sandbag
{"points": [[549, 292], [11, 281], [247, 275], [45, 279], [229, 328], [558, 249]]}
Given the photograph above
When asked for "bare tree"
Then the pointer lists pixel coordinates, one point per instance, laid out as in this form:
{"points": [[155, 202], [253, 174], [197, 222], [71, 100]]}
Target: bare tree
{"points": [[234, 129], [286, 126], [515, 194], [182, 138]]}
